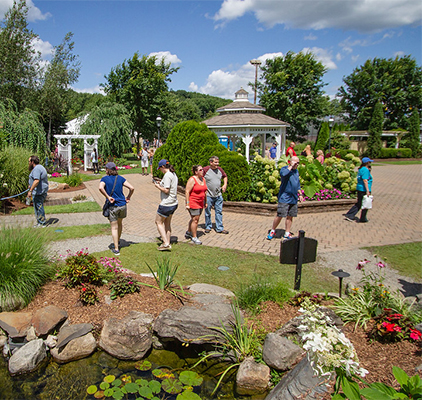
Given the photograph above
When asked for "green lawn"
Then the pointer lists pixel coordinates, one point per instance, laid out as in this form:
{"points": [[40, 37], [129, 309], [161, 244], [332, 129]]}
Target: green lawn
{"points": [[89, 206], [200, 264], [398, 162], [405, 258]]}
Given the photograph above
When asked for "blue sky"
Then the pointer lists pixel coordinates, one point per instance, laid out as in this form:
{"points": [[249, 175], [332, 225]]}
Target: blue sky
{"points": [[213, 41]]}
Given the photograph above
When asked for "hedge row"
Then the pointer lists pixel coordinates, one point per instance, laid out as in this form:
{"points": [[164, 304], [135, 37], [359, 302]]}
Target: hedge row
{"points": [[395, 153]]}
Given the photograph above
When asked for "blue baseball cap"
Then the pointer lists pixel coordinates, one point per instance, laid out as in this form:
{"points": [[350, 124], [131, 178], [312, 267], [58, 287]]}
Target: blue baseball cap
{"points": [[366, 160], [162, 163]]}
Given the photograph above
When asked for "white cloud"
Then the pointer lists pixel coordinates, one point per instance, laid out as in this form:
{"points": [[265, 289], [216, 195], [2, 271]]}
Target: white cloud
{"points": [[311, 37], [193, 87], [360, 15], [322, 55], [34, 13], [399, 54], [95, 89], [339, 57], [45, 48], [168, 57], [355, 58]]}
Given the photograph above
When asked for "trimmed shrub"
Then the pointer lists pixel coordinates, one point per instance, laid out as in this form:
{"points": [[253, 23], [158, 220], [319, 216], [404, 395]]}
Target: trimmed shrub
{"points": [[343, 153], [24, 266], [395, 153], [375, 131], [13, 170], [411, 139], [191, 143], [73, 180], [323, 135]]}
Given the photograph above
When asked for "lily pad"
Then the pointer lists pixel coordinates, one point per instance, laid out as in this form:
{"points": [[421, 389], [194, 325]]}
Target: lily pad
{"points": [[117, 394], [190, 378], [143, 365], [131, 387], [188, 395], [91, 389], [126, 378], [99, 394], [172, 386], [117, 382], [142, 382], [109, 378], [108, 392], [162, 373], [155, 386], [146, 392], [104, 385]]}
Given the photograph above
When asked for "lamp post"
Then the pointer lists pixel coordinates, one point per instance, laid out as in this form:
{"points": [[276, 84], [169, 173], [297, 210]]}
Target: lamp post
{"points": [[330, 124], [158, 121], [255, 63]]}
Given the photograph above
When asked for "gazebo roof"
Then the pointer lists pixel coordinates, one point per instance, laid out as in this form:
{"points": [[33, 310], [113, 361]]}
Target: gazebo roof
{"points": [[242, 113]]}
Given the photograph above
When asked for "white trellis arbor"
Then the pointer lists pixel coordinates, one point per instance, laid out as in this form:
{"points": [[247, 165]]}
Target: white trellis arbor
{"points": [[65, 149], [246, 120]]}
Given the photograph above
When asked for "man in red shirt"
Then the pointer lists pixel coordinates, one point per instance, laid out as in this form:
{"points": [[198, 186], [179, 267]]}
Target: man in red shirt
{"points": [[290, 150]]}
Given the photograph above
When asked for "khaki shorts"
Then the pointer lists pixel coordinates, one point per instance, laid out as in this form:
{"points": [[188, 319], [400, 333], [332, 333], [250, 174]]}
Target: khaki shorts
{"points": [[195, 211], [117, 212]]}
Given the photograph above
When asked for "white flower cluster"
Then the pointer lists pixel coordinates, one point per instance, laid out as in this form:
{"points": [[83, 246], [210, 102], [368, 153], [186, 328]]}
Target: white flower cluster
{"points": [[328, 348]]}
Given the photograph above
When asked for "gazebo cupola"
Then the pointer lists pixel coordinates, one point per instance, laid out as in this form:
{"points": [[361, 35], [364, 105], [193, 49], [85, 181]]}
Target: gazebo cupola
{"points": [[246, 120]]}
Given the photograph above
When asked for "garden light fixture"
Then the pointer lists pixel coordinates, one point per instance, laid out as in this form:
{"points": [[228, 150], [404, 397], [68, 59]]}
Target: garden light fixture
{"points": [[340, 274], [330, 124], [158, 121]]}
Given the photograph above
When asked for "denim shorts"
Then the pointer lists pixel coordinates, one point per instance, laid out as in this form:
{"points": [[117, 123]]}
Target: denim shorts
{"points": [[286, 210], [166, 211], [117, 212]]}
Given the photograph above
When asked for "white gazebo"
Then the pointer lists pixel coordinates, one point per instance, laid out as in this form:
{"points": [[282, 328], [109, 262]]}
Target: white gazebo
{"points": [[72, 132], [246, 120]]}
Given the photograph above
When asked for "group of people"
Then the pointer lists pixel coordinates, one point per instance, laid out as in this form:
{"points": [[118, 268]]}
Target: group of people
{"points": [[203, 192]]}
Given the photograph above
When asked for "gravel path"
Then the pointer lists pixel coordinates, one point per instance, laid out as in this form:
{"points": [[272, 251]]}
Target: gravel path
{"points": [[346, 260]]}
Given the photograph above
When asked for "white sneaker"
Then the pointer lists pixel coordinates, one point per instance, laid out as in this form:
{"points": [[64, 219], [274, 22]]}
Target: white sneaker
{"points": [[195, 240]]}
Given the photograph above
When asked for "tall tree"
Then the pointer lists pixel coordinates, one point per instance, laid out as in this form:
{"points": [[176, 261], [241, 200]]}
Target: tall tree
{"points": [[141, 84], [292, 91], [375, 131], [396, 83], [19, 62], [60, 73], [111, 121], [323, 135], [411, 139]]}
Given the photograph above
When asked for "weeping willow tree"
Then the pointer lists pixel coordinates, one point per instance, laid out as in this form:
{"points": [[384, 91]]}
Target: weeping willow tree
{"points": [[22, 129], [113, 123]]}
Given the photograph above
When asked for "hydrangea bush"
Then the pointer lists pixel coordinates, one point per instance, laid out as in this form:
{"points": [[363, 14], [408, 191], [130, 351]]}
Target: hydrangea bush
{"points": [[335, 179]]}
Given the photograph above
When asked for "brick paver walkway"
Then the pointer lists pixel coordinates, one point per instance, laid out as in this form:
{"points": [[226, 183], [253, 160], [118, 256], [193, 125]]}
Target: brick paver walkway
{"points": [[395, 218]]}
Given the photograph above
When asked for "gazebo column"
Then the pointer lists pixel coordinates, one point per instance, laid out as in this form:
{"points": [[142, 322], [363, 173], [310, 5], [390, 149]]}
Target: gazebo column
{"points": [[280, 145], [247, 140], [69, 153]]}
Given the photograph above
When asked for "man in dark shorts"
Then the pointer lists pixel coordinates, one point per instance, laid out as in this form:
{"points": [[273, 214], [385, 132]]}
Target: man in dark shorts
{"points": [[288, 196]]}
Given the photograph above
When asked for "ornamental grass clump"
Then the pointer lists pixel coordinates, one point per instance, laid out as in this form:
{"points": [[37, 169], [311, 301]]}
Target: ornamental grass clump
{"points": [[24, 266]]}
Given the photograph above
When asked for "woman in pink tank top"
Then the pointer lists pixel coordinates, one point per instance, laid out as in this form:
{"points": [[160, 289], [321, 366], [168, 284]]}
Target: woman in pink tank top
{"points": [[196, 201]]}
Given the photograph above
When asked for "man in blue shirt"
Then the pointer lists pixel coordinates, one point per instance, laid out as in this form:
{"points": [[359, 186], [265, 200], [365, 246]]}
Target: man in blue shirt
{"points": [[38, 188], [288, 196], [273, 151]]}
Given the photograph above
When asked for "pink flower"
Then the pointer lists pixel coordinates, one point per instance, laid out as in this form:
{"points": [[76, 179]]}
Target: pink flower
{"points": [[415, 334], [381, 265], [361, 264]]}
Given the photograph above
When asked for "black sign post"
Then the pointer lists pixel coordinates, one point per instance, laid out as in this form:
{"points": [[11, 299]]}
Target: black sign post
{"points": [[298, 251]]}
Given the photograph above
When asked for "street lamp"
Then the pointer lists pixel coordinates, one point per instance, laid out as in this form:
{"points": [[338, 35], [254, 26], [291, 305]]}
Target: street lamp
{"points": [[330, 124], [255, 63], [158, 121]]}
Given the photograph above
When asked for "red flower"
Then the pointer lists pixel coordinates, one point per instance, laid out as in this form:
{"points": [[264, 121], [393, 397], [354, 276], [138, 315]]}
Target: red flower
{"points": [[415, 334], [84, 289]]}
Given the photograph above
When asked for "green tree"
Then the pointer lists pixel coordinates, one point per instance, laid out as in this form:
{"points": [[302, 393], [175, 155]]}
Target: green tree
{"points": [[411, 139], [323, 135], [375, 131], [292, 91], [141, 85], [19, 62], [396, 83], [22, 129], [60, 73], [111, 121], [82, 103]]}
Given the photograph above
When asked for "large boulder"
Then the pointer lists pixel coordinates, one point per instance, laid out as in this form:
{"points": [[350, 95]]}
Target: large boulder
{"points": [[28, 357], [70, 332], [128, 338], [15, 324], [281, 353], [195, 323], [300, 383], [47, 319], [76, 349], [252, 378]]}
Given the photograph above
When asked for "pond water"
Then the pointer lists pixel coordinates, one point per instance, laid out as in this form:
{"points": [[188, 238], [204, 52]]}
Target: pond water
{"points": [[52, 381]]}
